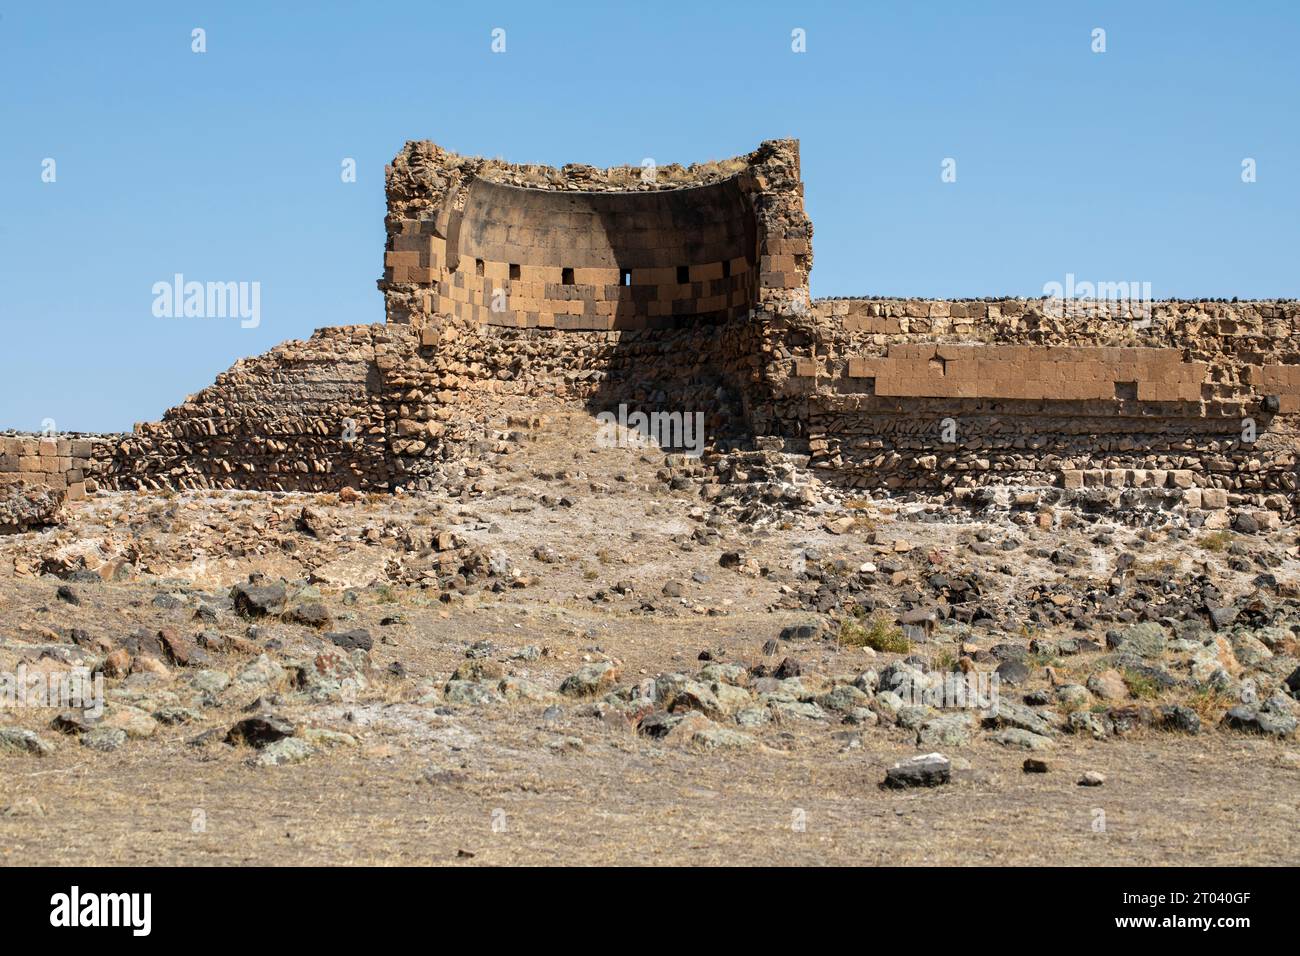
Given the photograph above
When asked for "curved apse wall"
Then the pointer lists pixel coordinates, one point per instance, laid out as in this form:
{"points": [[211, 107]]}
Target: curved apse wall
{"points": [[595, 260], [582, 249]]}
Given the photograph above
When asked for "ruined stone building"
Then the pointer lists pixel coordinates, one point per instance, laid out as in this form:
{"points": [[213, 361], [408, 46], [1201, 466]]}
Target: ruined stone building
{"points": [[686, 289]]}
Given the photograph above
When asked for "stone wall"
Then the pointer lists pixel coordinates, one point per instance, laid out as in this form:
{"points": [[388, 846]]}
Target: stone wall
{"points": [[306, 416], [687, 291], [57, 462], [455, 376], [383, 407], [1035, 397]]}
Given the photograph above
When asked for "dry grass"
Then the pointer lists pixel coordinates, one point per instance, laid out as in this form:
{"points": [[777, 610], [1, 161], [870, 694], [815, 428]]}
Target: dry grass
{"points": [[1211, 704], [878, 633], [1215, 541]]}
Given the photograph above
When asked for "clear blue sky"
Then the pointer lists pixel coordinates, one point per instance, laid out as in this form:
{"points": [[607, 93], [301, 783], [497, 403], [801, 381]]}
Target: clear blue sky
{"points": [[225, 165]]}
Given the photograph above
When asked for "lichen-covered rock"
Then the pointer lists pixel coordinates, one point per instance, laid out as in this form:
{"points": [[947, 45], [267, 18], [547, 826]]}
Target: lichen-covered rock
{"points": [[1146, 639], [591, 679]]}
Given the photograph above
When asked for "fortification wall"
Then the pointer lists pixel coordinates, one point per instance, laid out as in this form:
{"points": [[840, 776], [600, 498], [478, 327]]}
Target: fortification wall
{"points": [[382, 407], [687, 292], [1105, 399], [455, 376], [57, 462], [305, 416]]}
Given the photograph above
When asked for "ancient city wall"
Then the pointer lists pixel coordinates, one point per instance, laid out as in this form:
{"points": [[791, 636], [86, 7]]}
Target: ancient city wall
{"points": [[305, 416], [687, 291], [381, 407], [1033, 396], [56, 462]]}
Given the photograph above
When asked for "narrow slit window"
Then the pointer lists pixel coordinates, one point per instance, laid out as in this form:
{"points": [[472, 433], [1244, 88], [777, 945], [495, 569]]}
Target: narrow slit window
{"points": [[478, 267], [683, 275], [566, 276], [514, 270], [625, 277], [726, 268]]}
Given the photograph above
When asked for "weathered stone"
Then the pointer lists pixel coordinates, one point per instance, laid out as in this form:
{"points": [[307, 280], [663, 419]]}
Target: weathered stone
{"points": [[258, 600], [18, 740], [260, 730], [591, 679], [1146, 639], [926, 770]]}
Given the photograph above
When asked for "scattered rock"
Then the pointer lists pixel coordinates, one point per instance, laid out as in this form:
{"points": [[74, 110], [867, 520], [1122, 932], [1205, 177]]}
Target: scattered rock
{"points": [[1015, 737], [18, 740], [355, 639], [1108, 685], [286, 750], [256, 601], [178, 650], [259, 731], [1266, 719], [591, 679], [926, 770], [1146, 639], [312, 614], [104, 739]]}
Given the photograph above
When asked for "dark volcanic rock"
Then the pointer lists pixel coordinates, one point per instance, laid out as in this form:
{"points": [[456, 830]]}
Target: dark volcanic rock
{"points": [[259, 731], [927, 770], [788, 668], [351, 640], [310, 615], [802, 632], [1179, 718], [1013, 672], [254, 600]]}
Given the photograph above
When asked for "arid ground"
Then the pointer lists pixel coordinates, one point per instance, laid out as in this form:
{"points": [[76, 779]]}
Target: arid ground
{"points": [[575, 659]]}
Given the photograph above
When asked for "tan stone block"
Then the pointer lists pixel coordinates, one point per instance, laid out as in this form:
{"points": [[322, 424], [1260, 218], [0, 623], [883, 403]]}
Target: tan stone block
{"points": [[863, 367], [1213, 498], [776, 264], [397, 259]]}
